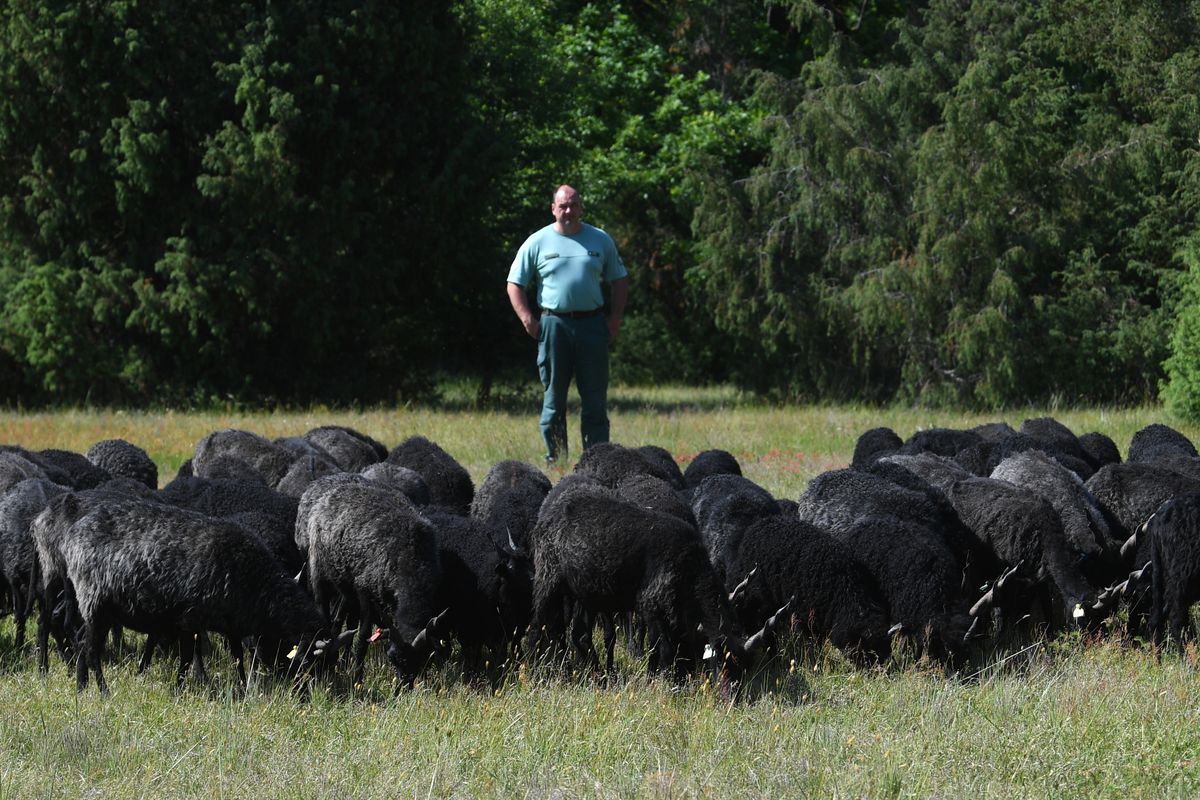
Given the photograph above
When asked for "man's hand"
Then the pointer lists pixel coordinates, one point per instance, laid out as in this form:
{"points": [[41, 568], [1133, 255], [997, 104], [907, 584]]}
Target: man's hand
{"points": [[529, 321], [532, 324], [614, 327]]}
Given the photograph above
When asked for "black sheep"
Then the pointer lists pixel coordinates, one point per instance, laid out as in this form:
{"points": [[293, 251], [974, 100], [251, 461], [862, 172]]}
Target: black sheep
{"points": [[15, 467], [1174, 534], [509, 498], [1025, 532], [610, 557], [119, 458], [77, 470], [939, 441], [835, 597], [610, 462], [268, 459], [710, 462], [662, 458], [369, 546], [724, 507], [305, 470], [349, 449], [401, 479], [488, 589], [1100, 450], [449, 483], [655, 494], [1154, 442]]}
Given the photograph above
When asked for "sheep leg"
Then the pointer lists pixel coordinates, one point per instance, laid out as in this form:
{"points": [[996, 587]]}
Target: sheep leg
{"points": [[43, 632], [20, 613], [362, 639], [92, 638], [239, 658], [200, 641], [610, 640], [152, 642], [187, 647]]}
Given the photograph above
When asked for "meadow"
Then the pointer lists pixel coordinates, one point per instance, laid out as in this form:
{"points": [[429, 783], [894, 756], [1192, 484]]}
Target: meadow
{"points": [[1075, 717]]}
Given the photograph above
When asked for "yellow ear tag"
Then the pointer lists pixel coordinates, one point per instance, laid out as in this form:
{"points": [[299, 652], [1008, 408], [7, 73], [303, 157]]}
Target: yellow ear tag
{"points": [[295, 650]]}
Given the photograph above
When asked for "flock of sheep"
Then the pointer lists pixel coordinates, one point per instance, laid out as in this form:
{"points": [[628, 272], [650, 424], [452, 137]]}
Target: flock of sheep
{"points": [[310, 550]]}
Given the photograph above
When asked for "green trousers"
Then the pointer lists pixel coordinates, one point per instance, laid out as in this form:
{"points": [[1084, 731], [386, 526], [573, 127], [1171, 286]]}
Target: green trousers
{"points": [[573, 348]]}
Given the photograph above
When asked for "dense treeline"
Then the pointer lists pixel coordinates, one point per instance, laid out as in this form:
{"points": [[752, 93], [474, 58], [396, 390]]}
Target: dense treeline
{"points": [[977, 202]]}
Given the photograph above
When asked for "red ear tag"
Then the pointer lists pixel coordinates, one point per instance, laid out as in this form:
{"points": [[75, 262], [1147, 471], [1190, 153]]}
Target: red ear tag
{"points": [[378, 632]]}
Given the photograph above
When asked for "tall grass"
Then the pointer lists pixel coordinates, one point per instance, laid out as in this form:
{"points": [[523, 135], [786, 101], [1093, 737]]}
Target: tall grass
{"points": [[1068, 718]]}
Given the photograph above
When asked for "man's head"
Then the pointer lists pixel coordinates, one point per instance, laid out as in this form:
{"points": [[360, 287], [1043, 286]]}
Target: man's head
{"points": [[567, 209]]}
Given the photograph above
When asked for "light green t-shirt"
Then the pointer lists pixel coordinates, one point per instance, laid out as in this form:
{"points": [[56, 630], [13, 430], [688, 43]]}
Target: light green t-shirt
{"points": [[568, 269]]}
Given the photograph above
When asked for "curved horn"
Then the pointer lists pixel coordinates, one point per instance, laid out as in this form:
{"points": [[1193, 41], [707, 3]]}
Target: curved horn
{"points": [[983, 604], [741, 587], [1137, 575], [1130, 547], [758, 641], [423, 639], [970, 634], [897, 628], [512, 545]]}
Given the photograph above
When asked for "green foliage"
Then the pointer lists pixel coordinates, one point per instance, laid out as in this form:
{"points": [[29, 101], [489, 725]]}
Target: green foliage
{"points": [[971, 203], [1181, 389]]}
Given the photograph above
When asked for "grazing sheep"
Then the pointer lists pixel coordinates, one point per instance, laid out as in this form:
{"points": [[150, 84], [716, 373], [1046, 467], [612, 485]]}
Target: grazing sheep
{"points": [[662, 458], [611, 557], [76, 470], [710, 462], [911, 540], [304, 471], [1088, 536], [610, 462], [349, 449], [724, 507], [488, 590], [873, 445], [222, 498], [121, 459], [1025, 532], [1174, 534], [18, 506], [169, 572], [510, 497], [15, 468], [1048, 429], [1156, 441], [939, 441], [919, 577], [449, 483], [271, 461], [1099, 449], [401, 479], [835, 597], [655, 494], [370, 547]]}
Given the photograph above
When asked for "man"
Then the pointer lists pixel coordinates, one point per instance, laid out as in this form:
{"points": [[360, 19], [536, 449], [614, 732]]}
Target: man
{"points": [[569, 260]]}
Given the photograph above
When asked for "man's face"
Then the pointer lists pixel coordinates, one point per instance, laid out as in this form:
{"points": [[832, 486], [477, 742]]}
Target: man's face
{"points": [[567, 210]]}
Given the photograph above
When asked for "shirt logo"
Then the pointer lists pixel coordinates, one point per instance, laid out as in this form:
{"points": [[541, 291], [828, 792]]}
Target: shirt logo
{"points": [[593, 254]]}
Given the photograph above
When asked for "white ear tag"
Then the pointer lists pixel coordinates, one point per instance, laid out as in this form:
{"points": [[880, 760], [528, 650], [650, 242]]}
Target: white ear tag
{"points": [[709, 653]]}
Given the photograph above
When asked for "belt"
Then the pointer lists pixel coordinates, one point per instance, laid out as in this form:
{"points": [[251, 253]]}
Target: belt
{"points": [[595, 312]]}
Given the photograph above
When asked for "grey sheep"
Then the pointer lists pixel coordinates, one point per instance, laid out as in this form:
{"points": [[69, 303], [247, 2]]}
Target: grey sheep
{"points": [[1087, 532], [15, 468], [1156, 441], [76, 470], [169, 572], [18, 507], [724, 507], [655, 494]]}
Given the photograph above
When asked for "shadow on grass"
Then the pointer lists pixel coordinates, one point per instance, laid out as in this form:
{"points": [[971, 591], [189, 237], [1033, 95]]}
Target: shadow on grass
{"points": [[519, 397]]}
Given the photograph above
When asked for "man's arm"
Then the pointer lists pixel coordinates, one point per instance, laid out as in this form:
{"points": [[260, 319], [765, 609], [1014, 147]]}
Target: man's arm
{"points": [[520, 304], [617, 298]]}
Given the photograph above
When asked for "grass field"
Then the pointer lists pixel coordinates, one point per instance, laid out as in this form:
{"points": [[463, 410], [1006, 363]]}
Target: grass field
{"points": [[1069, 718]]}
